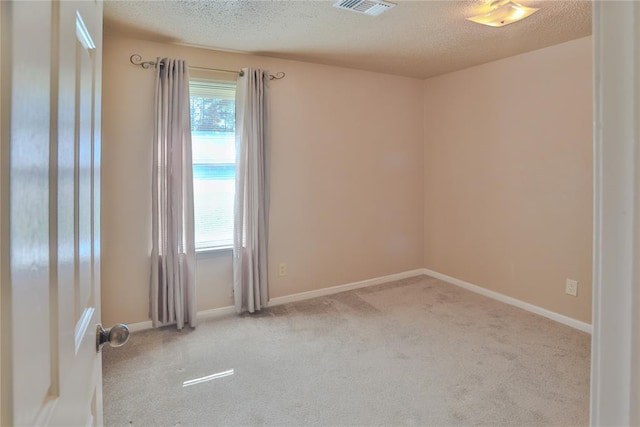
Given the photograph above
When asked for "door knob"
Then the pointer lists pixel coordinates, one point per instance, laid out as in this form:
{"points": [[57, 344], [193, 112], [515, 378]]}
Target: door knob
{"points": [[116, 336]]}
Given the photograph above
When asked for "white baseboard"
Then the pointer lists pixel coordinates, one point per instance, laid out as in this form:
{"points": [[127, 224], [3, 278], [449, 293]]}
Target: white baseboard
{"points": [[565, 320], [342, 288], [139, 326]]}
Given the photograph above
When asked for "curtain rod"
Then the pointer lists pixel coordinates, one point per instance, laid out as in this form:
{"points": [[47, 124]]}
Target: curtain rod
{"points": [[136, 59]]}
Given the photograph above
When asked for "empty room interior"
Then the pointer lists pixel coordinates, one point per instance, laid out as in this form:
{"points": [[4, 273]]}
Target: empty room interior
{"points": [[430, 215]]}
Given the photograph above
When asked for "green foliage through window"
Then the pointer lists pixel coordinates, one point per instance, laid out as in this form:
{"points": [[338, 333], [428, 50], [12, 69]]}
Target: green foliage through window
{"points": [[211, 114]]}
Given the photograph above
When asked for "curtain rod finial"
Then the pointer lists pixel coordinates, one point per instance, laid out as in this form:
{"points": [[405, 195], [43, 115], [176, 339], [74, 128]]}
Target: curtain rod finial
{"points": [[136, 59]]}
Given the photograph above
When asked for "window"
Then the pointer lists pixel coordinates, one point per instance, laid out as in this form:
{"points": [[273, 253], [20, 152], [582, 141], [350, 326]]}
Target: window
{"points": [[212, 106]]}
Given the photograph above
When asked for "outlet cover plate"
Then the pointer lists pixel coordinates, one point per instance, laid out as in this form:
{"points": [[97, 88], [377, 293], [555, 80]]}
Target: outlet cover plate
{"points": [[571, 287], [282, 269]]}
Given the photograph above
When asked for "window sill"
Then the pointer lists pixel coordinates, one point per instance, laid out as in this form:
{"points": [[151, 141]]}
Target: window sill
{"points": [[215, 251]]}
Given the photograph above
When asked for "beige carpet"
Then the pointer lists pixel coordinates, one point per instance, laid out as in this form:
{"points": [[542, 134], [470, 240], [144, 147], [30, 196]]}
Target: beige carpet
{"points": [[413, 352]]}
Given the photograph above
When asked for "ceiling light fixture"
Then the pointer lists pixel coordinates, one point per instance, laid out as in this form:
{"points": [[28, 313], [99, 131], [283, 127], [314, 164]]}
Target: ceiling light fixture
{"points": [[503, 13]]}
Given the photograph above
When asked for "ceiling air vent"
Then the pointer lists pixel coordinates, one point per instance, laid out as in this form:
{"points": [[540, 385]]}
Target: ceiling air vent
{"points": [[368, 7]]}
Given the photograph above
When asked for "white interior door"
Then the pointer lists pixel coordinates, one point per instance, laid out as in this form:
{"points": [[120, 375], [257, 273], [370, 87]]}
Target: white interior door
{"points": [[50, 212]]}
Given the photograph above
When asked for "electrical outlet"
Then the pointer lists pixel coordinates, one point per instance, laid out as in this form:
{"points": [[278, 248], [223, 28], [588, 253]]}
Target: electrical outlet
{"points": [[571, 288], [282, 269]]}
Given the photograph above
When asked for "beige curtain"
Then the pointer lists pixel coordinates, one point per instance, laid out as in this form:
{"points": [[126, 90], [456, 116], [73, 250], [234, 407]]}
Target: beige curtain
{"points": [[172, 296], [251, 220]]}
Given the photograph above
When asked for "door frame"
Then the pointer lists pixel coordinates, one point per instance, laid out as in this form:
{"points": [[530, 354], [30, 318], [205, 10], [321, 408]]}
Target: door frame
{"points": [[615, 355]]}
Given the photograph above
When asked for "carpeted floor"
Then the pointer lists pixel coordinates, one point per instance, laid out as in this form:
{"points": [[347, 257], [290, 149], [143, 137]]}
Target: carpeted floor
{"points": [[412, 352]]}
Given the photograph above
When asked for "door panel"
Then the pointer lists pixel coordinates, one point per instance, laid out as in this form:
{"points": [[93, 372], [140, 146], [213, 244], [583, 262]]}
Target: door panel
{"points": [[80, 366]]}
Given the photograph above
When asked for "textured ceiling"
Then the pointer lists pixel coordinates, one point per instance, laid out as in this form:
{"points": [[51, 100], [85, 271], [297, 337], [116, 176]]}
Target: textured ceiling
{"points": [[416, 38]]}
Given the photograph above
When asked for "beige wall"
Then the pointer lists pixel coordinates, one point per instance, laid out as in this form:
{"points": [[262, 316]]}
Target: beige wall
{"points": [[347, 177], [508, 176]]}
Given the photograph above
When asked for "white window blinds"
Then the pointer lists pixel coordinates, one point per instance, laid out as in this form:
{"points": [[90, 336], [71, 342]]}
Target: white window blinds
{"points": [[213, 138]]}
